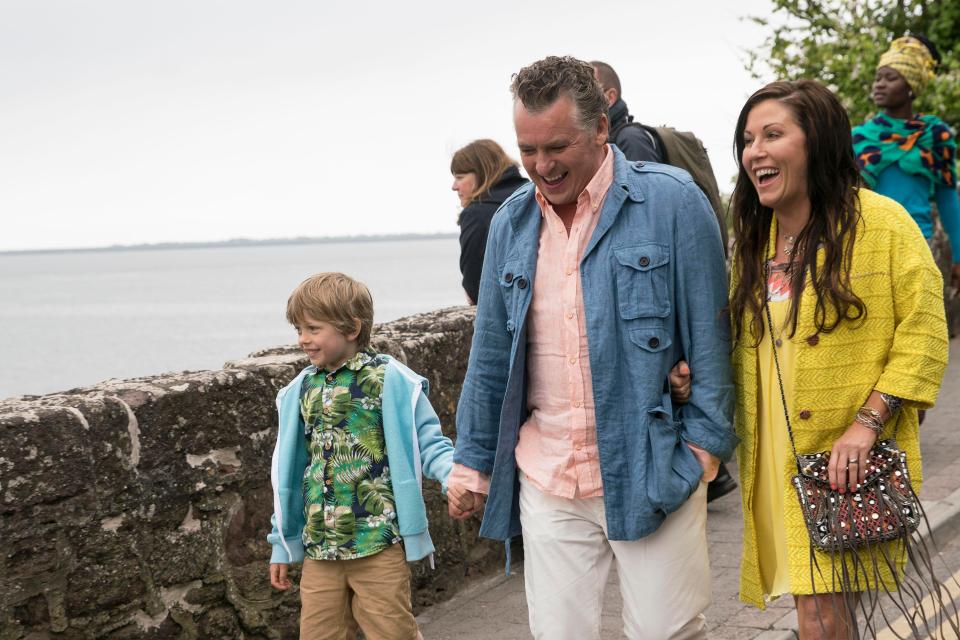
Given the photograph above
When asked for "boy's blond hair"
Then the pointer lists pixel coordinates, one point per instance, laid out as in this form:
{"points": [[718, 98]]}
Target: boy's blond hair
{"points": [[334, 298]]}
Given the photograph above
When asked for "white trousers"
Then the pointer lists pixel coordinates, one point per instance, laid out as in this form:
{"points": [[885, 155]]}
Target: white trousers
{"points": [[664, 577]]}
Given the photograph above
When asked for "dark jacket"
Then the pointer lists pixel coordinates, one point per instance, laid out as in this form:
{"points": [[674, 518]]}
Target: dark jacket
{"points": [[632, 139], [475, 223]]}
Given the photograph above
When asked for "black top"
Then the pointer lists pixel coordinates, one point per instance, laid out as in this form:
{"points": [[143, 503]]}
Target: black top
{"points": [[475, 223], [630, 136]]}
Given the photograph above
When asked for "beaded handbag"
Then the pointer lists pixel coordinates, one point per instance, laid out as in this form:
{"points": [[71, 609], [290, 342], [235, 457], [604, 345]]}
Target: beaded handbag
{"points": [[884, 508]]}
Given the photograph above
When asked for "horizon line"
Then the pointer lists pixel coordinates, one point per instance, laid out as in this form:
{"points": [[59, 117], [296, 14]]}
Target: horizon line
{"points": [[237, 242]]}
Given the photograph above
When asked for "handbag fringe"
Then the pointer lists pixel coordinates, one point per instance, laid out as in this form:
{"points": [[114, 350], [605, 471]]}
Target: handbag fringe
{"points": [[923, 601]]}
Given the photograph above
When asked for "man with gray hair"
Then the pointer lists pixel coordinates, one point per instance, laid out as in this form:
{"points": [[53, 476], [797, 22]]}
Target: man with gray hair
{"points": [[598, 277]]}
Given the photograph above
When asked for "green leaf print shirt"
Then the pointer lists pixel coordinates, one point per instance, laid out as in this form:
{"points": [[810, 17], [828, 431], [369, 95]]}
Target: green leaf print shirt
{"points": [[349, 508]]}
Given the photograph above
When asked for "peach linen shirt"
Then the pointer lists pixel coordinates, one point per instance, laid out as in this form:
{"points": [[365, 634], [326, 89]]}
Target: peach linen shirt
{"points": [[557, 447]]}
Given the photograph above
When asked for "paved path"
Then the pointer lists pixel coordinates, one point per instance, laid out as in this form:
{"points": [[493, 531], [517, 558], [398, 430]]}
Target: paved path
{"points": [[496, 607]]}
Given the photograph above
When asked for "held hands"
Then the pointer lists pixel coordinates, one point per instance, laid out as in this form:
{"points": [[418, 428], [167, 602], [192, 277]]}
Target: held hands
{"points": [[463, 503], [278, 576], [850, 456]]}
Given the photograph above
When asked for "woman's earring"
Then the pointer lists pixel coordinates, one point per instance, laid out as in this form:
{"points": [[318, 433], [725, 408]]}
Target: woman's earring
{"points": [[911, 94]]}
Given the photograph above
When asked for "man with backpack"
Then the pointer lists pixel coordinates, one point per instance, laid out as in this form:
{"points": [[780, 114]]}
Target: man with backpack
{"points": [[667, 146], [636, 142]]}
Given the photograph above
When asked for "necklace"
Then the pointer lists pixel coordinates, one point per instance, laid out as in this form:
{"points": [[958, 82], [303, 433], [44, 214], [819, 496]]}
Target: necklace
{"points": [[789, 244]]}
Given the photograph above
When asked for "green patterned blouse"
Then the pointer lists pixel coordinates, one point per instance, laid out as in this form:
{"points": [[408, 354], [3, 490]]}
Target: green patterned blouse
{"points": [[349, 508]]}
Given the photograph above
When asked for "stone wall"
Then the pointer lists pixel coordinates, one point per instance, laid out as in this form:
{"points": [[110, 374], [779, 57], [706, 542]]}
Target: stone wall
{"points": [[139, 508]]}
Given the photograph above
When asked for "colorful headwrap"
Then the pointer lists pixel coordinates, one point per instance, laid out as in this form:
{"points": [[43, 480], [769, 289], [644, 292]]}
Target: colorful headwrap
{"points": [[911, 59], [923, 145]]}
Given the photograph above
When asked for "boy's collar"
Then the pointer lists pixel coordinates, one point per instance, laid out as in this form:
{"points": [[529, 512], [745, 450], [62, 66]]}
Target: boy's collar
{"points": [[356, 362]]}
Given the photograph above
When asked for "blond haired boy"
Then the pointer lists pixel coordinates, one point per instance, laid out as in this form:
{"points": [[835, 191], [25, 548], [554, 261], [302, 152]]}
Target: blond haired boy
{"points": [[355, 437]]}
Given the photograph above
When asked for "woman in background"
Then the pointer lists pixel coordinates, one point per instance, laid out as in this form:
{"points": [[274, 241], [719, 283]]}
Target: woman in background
{"points": [[912, 157], [483, 176]]}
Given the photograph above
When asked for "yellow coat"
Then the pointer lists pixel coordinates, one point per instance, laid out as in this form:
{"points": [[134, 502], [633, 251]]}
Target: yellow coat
{"points": [[900, 349]]}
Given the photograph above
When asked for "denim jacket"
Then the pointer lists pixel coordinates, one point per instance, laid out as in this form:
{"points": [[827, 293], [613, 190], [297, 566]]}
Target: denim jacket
{"points": [[654, 291]]}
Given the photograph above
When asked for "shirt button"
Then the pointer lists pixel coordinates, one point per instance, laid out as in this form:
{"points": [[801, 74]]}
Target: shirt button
{"points": [[805, 414], [508, 277], [522, 283], [654, 342], [644, 261], [569, 272], [569, 315], [573, 360], [813, 340], [579, 446], [577, 404]]}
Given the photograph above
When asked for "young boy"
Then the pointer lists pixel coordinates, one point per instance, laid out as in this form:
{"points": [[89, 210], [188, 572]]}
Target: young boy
{"points": [[356, 434]]}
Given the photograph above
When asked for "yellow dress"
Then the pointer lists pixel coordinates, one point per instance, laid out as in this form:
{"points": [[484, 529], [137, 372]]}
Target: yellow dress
{"points": [[773, 451]]}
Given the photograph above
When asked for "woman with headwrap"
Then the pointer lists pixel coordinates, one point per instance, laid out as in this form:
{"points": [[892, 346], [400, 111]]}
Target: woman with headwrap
{"points": [[909, 157]]}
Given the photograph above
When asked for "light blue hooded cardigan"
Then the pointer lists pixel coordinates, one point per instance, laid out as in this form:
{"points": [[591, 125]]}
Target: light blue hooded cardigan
{"points": [[415, 447]]}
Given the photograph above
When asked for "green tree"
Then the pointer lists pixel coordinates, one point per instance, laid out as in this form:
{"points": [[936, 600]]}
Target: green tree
{"points": [[840, 41]]}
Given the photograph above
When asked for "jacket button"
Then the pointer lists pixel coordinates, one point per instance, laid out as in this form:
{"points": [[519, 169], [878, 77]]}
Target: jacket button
{"points": [[522, 283], [813, 340], [644, 261], [805, 414], [654, 342], [508, 277]]}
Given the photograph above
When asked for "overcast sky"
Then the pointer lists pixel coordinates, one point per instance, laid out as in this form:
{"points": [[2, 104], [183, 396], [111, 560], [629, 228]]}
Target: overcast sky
{"points": [[128, 121]]}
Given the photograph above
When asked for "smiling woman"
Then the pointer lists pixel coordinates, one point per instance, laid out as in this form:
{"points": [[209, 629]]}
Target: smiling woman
{"points": [[826, 361]]}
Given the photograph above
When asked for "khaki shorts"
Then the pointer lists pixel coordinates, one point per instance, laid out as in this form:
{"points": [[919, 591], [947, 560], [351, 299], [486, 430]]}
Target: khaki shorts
{"points": [[372, 592]]}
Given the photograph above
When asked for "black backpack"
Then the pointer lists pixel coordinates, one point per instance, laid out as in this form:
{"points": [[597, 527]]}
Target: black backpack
{"points": [[685, 150]]}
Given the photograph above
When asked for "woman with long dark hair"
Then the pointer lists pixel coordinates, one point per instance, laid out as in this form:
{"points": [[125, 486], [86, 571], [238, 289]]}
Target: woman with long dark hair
{"points": [[912, 157], [483, 176], [839, 338]]}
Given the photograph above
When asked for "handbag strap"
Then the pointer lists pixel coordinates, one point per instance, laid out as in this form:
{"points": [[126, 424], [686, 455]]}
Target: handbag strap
{"points": [[776, 360]]}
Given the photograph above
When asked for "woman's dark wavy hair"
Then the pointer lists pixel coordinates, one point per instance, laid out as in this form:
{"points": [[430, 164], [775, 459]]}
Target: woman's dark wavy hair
{"points": [[832, 183]]}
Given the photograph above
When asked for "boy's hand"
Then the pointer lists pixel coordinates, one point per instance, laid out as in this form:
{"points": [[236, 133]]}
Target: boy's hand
{"points": [[278, 576]]}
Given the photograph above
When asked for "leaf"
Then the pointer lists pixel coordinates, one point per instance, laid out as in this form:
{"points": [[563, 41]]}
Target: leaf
{"points": [[336, 404], [375, 494], [339, 525], [370, 380], [311, 405], [349, 468]]}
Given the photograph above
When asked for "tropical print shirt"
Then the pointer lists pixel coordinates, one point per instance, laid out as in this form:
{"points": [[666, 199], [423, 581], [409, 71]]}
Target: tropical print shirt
{"points": [[349, 504]]}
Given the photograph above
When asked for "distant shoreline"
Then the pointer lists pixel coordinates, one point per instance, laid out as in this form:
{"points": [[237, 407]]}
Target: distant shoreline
{"points": [[237, 242]]}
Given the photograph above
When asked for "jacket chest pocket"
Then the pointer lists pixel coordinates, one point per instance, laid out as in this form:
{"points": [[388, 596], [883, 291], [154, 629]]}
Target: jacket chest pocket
{"points": [[642, 280], [514, 285]]}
